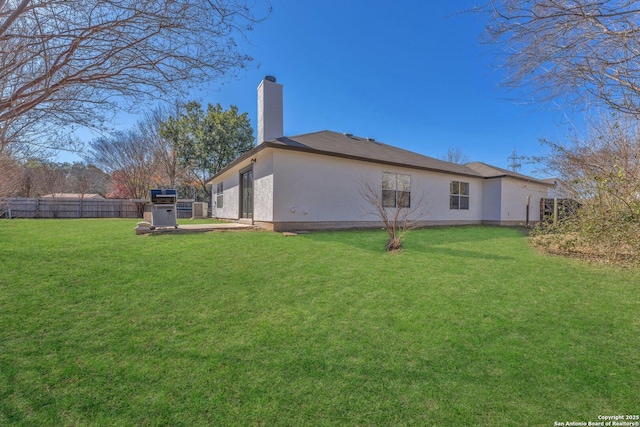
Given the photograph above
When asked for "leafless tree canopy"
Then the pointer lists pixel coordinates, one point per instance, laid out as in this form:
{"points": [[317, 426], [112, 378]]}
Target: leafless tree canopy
{"points": [[604, 167], [129, 156], [169, 169], [579, 51], [10, 176], [66, 62], [455, 155], [38, 177]]}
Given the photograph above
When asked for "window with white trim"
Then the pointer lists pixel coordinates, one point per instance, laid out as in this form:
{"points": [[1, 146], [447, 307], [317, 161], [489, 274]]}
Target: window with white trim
{"points": [[219, 197], [459, 195], [396, 190]]}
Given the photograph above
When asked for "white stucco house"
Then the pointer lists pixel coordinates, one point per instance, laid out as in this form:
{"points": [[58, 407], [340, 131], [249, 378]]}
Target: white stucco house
{"points": [[312, 181]]}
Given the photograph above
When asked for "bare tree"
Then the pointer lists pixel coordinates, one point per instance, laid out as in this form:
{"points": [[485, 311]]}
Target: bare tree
{"points": [[130, 159], [579, 52], [455, 155], [41, 177], [402, 216], [10, 179], [604, 172], [69, 62], [10, 176], [84, 179], [169, 167], [584, 54], [603, 168]]}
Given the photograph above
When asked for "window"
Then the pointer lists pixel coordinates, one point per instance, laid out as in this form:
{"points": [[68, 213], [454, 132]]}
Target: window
{"points": [[219, 198], [459, 195], [396, 190]]}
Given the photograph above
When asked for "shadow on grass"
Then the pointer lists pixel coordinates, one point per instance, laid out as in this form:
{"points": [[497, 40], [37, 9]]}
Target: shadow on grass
{"points": [[372, 241], [460, 253], [425, 240], [464, 234]]}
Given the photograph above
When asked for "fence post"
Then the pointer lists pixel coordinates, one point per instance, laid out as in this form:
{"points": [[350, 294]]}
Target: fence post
{"points": [[528, 205], [555, 211]]}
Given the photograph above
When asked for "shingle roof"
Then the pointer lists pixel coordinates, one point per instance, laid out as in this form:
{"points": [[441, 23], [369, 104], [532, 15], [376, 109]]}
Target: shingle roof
{"points": [[366, 149], [489, 171], [355, 147]]}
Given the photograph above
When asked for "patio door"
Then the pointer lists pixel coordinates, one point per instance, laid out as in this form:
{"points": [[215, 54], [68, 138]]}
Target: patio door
{"points": [[246, 191]]}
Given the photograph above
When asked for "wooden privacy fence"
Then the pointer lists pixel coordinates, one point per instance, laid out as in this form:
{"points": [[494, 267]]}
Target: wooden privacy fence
{"points": [[80, 208], [553, 210]]}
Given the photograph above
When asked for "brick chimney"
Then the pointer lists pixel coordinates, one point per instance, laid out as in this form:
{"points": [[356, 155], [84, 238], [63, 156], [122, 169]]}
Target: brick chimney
{"points": [[270, 117]]}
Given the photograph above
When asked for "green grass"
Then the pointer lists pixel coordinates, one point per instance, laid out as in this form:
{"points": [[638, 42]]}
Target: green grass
{"points": [[465, 326]]}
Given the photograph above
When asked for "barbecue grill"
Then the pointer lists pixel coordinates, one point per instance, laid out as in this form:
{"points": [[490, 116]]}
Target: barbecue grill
{"points": [[163, 208]]}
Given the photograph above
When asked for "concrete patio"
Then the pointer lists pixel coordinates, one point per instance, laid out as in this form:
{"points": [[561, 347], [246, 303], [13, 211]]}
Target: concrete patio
{"points": [[145, 228]]}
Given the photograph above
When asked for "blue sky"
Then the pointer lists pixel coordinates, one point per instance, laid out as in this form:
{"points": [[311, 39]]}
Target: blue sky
{"points": [[408, 73]]}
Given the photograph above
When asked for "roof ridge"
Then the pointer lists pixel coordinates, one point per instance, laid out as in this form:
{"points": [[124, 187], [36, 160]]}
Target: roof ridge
{"points": [[346, 145], [297, 136], [389, 151], [375, 141]]}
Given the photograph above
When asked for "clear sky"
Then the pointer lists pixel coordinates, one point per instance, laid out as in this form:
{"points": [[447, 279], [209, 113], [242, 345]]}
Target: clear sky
{"points": [[408, 73]]}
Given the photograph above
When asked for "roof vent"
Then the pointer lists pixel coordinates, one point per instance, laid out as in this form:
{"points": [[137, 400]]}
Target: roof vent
{"points": [[370, 139], [270, 78], [348, 135]]}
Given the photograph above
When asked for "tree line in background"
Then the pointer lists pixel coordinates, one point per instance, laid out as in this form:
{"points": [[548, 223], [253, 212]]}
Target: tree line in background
{"points": [[178, 149], [39, 177]]}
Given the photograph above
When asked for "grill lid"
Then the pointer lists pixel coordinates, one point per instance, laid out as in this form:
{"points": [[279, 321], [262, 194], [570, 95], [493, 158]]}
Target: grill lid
{"points": [[163, 196]]}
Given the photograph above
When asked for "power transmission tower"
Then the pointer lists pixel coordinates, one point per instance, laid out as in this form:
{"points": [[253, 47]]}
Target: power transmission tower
{"points": [[515, 161]]}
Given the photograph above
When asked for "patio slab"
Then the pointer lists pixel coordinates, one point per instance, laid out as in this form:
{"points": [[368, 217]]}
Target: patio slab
{"points": [[143, 228]]}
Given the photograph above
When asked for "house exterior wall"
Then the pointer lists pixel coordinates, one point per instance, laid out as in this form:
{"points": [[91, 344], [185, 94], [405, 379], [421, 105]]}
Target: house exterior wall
{"points": [[314, 188], [297, 190], [492, 200], [263, 189], [323, 190], [230, 194], [513, 208]]}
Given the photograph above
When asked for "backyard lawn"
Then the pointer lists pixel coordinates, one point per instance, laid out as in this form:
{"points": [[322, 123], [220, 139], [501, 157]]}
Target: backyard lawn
{"points": [[465, 326]]}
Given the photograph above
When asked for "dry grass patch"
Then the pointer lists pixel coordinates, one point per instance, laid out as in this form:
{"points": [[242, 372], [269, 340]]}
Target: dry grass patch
{"points": [[574, 246]]}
